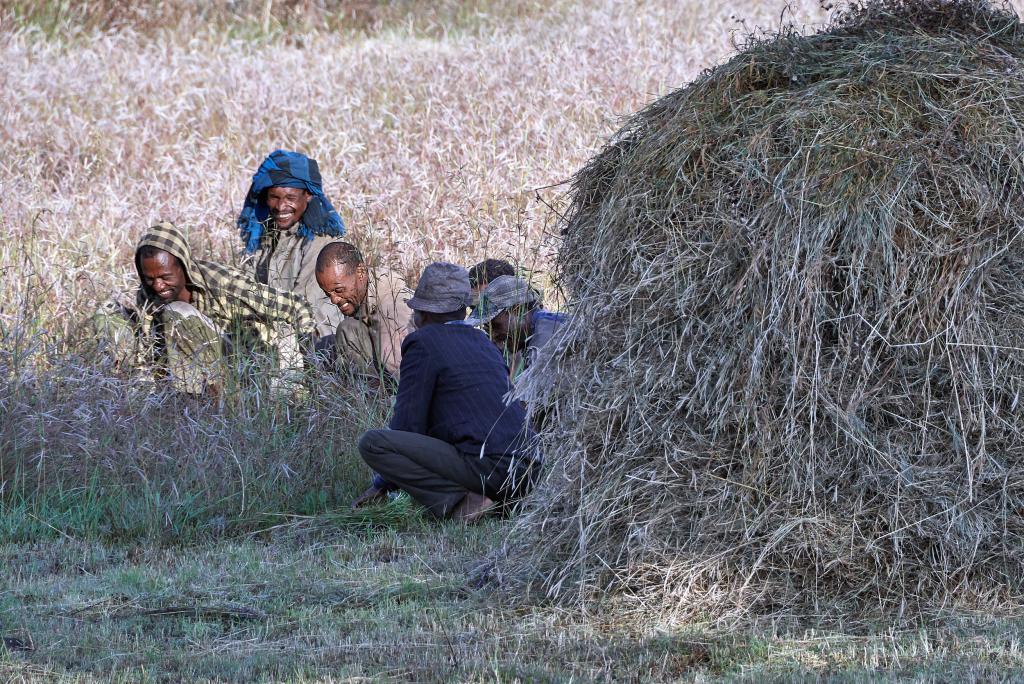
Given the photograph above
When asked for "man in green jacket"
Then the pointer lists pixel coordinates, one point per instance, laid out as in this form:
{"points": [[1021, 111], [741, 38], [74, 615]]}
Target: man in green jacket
{"points": [[189, 313]]}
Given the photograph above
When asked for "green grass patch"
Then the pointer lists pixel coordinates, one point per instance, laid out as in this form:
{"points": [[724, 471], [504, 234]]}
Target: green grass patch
{"points": [[88, 456]]}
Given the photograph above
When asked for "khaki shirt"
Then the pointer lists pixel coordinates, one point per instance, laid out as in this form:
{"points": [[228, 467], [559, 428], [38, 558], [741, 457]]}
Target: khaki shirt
{"points": [[287, 261], [372, 337]]}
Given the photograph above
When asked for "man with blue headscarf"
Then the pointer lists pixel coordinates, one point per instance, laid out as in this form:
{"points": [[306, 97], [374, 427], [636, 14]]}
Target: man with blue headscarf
{"points": [[285, 222]]}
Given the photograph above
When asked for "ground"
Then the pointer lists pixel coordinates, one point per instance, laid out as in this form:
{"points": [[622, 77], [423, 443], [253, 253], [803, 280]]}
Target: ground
{"points": [[147, 539], [309, 601]]}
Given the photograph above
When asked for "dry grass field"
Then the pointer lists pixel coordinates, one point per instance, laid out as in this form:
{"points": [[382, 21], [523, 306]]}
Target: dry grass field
{"points": [[143, 538]]}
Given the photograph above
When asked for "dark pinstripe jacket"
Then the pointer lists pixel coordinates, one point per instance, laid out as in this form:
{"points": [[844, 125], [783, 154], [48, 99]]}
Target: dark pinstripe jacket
{"points": [[452, 387]]}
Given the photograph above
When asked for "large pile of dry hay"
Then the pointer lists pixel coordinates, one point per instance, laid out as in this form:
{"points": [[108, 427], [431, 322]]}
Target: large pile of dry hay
{"points": [[793, 384]]}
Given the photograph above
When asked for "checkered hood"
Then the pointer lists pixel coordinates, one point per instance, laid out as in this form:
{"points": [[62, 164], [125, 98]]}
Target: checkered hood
{"points": [[168, 238]]}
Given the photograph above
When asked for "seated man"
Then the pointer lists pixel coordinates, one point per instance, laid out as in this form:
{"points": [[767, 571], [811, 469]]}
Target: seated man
{"points": [[453, 443], [369, 338], [511, 314], [187, 310], [285, 222], [483, 273]]}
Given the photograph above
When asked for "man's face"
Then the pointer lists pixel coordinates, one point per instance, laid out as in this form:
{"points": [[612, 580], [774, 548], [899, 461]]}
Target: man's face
{"points": [[501, 330], [345, 286], [287, 205], [163, 274]]}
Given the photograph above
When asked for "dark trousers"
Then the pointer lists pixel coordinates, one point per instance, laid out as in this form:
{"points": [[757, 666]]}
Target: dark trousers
{"points": [[437, 474]]}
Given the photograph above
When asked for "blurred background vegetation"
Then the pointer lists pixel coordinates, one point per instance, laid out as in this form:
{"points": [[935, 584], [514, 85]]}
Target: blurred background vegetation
{"points": [[264, 18]]}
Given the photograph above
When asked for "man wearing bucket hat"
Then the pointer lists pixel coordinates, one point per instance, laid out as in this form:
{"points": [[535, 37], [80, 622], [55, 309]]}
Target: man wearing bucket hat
{"points": [[511, 315], [453, 444]]}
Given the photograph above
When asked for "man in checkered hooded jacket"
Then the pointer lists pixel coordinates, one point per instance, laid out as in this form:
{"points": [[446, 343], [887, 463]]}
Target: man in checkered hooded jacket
{"points": [[189, 313]]}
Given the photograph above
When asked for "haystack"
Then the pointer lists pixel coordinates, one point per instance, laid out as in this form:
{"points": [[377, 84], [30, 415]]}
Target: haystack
{"points": [[793, 382]]}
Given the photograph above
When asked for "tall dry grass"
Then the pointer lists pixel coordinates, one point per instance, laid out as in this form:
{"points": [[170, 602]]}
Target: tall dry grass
{"points": [[257, 19], [431, 147]]}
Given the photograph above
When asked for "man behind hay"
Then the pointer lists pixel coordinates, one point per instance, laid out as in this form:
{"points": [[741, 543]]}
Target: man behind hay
{"points": [[285, 222], [376, 318], [188, 313], [483, 273], [510, 313], [453, 443]]}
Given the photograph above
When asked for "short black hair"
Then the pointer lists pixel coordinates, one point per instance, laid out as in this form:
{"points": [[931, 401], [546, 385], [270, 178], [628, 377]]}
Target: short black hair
{"points": [[489, 269], [338, 254], [457, 315]]}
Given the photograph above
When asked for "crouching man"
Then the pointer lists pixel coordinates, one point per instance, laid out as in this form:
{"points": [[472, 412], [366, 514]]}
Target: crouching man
{"points": [[510, 313], [188, 310], [454, 445]]}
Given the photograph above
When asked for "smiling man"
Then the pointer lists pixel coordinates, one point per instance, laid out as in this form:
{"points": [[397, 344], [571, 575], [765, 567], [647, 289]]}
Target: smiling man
{"points": [[164, 274], [193, 309], [377, 319], [285, 222]]}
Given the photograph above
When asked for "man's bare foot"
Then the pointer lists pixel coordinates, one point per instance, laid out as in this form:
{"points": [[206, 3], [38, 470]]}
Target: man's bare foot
{"points": [[473, 508], [372, 495]]}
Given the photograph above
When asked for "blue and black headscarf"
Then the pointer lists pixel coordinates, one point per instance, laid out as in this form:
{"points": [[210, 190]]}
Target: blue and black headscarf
{"points": [[284, 169]]}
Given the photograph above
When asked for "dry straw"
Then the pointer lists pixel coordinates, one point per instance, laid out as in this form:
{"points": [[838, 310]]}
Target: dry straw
{"points": [[792, 386]]}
